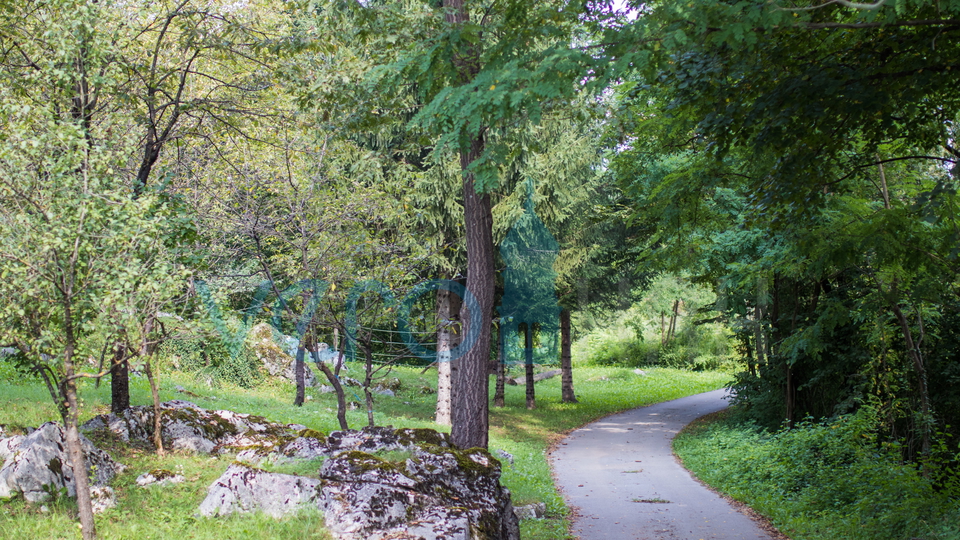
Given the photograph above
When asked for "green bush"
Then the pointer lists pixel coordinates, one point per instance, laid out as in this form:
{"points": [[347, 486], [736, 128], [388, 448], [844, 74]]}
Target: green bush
{"points": [[210, 359]]}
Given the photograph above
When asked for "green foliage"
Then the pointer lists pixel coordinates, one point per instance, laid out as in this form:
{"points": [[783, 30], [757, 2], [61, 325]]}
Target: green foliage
{"points": [[211, 360], [827, 480]]}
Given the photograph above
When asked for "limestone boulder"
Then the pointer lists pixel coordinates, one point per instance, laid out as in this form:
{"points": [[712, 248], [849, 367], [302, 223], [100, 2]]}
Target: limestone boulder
{"points": [[378, 484], [186, 426], [38, 465], [245, 489], [276, 358]]}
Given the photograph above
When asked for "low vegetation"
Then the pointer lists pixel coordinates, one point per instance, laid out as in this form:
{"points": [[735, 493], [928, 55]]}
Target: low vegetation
{"points": [[824, 480], [525, 435]]}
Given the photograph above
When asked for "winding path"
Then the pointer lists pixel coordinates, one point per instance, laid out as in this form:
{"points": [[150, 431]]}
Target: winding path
{"points": [[621, 476]]}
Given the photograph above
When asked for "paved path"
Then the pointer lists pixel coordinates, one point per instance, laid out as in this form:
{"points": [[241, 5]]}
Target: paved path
{"points": [[606, 467]]}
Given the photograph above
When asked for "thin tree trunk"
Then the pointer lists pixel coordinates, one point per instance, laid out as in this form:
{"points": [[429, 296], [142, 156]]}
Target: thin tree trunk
{"points": [[566, 359], [337, 387], [368, 382], [672, 331], [499, 393], [146, 351], [298, 375], [913, 351], [157, 412], [74, 449], [448, 308], [528, 367], [119, 380]]}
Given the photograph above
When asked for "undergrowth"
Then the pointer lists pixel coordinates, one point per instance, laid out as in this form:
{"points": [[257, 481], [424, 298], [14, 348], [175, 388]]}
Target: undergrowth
{"points": [[821, 481]]}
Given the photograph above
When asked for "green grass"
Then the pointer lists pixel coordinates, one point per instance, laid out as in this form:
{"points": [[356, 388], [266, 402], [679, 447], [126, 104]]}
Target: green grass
{"points": [[820, 481], [527, 435]]}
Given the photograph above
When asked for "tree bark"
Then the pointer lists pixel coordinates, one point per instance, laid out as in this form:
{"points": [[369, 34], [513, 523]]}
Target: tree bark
{"points": [[77, 461], [298, 375], [470, 414], [448, 309], [499, 397], [119, 380], [566, 359], [528, 367], [334, 380]]}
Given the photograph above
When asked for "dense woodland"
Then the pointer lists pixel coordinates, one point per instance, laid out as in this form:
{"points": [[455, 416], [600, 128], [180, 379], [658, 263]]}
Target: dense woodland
{"points": [[789, 166]]}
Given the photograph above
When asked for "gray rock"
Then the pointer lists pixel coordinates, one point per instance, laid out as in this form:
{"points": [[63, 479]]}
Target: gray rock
{"points": [[530, 511], [438, 493], [386, 392], [159, 477], [244, 489], [185, 426], [504, 455], [102, 498], [40, 465]]}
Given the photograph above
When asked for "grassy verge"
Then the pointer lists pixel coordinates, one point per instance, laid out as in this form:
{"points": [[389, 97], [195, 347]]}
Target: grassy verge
{"points": [[168, 512], [820, 481]]}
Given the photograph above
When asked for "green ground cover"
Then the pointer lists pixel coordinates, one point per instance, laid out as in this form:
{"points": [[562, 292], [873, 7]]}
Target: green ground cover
{"points": [[822, 481], [168, 512]]}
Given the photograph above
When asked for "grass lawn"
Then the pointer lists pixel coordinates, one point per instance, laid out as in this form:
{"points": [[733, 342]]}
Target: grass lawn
{"points": [[167, 513]]}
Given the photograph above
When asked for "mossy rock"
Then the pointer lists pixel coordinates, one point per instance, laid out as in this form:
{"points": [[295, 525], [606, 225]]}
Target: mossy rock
{"points": [[421, 436], [312, 434]]}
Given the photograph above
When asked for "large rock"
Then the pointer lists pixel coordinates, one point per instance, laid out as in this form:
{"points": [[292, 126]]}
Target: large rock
{"points": [[38, 465], [186, 426], [432, 492], [275, 358], [245, 489]]}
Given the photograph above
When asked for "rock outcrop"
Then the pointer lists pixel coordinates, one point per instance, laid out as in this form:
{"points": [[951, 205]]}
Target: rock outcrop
{"points": [[37, 465], [379, 483], [186, 426]]}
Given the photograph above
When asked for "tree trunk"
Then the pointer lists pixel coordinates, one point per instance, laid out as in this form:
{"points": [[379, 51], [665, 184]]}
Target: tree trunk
{"points": [[119, 380], [470, 414], [368, 381], [448, 309], [528, 367], [334, 381], [157, 412], [499, 393], [77, 461], [298, 375], [566, 359], [913, 351]]}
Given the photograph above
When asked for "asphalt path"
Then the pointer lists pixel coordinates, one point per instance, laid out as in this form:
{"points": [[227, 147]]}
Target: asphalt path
{"points": [[620, 476]]}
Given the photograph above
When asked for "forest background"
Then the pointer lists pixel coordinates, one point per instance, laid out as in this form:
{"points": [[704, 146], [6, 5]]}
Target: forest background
{"points": [[783, 169]]}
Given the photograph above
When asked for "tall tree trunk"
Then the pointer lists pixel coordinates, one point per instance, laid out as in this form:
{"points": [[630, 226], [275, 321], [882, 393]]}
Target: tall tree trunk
{"points": [[566, 359], [470, 414], [298, 374], [448, 310], [499, 393], [119, 379], [528, 366]]}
